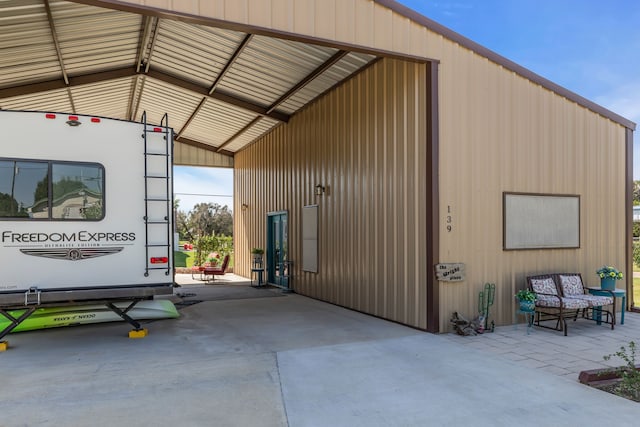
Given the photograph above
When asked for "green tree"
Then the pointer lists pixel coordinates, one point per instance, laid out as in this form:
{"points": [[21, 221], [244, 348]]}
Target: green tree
{"points": [[182, 225], [222, 220], [636, 193], [205, 219]]}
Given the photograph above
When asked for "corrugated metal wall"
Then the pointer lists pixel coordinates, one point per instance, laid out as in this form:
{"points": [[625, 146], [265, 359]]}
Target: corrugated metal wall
{"points": [[366, 143], [187, 155], [500, 132]]}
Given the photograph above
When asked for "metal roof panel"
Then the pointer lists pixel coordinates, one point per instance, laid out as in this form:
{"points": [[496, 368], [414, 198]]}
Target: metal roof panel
{"points": [[95, 39], [27, 52], [216, 122], [341, 70], [159, 98], [269, 67], [253, 133], [112, 102], [193, 52], [55, 100]]}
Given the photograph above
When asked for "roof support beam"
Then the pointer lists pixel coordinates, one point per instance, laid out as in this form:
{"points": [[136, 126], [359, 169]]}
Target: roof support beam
{"points": [[218, 79], [191, 117], [302, 83], [145, 51], [315, 73], [241, 103], [54, 36], [131, 72], [85, 79], [145, 33], [56, 43], [240, 132], [231, 61], [155, 26]]}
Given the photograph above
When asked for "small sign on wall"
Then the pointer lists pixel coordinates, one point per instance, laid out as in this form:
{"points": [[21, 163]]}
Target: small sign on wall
{"points": [[450, 272]]}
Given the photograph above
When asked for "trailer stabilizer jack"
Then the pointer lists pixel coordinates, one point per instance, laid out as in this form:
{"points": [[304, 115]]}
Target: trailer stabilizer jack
{"points": [[138, 333], [14, 321], [124, 315]]}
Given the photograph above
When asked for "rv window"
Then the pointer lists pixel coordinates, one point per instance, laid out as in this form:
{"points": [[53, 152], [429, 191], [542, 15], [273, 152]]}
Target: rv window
{"points": [[23, 189], [75, 192]]}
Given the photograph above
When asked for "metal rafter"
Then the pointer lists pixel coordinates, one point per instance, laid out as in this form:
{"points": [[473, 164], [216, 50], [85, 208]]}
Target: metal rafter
{"points": [[131, 72], [54, 37], [153, 44], [149, 26], [57, 84], [132, 98], [218, 79], [191, 117], [145, 33], [230, 62], [298, 86], [240, 132], [142, 79], [315, 73], [220, 96]]}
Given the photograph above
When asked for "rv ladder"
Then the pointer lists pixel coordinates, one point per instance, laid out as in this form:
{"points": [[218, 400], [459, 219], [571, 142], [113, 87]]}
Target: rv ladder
{"points": [[157, 207]]}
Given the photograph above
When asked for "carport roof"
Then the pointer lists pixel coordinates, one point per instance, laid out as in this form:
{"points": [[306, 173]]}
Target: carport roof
{"points": [[222, 88], [223, 84]]}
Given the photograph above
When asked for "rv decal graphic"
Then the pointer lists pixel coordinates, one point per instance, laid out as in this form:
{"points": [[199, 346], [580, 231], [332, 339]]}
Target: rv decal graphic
{"points": [[9, 236], [72, 254]]}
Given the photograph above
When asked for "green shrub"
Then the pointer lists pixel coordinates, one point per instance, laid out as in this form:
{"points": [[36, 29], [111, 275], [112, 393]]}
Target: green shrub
{"points": [[630, 376], [207, 244]]}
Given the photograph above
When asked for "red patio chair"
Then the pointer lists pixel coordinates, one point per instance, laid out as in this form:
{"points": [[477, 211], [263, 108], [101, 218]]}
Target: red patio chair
{"points": [[216, 271]]}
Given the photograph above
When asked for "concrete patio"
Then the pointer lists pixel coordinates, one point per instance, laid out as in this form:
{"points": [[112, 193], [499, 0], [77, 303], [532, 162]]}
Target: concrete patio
{"points": [[240, 356]]}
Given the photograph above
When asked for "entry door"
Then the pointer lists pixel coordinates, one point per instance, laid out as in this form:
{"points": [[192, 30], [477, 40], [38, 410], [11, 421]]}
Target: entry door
{"points": [[277, 249]]}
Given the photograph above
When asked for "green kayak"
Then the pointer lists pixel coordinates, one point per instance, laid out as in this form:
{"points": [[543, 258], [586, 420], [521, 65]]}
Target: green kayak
{"points": [[54, 317]]}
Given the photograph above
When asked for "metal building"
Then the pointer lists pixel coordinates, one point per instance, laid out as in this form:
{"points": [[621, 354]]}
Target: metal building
{"points": [[368, 142]]}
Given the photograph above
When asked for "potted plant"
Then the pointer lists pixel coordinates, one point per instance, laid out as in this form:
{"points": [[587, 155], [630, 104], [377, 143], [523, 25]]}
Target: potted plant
{"points": [[527, 299], [257, 256], [213, 259], [608, 276]]}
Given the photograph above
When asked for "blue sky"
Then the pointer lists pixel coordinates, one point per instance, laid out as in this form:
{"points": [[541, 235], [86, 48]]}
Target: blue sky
{"points": [[591, 47]]}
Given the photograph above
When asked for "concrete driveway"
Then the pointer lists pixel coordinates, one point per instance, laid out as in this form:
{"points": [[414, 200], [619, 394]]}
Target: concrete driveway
{"points": [[255, 357]]}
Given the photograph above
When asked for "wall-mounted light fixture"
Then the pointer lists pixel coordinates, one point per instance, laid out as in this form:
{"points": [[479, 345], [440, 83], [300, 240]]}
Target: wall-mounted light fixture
{"points": [[319, 190], [245, 206]]}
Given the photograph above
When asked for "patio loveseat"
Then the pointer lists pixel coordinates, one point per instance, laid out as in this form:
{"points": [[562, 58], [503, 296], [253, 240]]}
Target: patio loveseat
{"points": [[562, 296]]}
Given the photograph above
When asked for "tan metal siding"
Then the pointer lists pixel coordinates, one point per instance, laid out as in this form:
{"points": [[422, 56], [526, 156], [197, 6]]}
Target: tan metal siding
{"points": [[500, 132], [365, 142], [187, 155]]}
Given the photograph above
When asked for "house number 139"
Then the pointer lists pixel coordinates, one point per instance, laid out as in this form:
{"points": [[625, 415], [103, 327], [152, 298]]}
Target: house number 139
{"points": [[449, 220]]}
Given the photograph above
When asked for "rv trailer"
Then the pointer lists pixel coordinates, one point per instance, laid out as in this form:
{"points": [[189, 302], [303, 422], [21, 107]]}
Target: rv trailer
{"points": [[86, 212]]}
